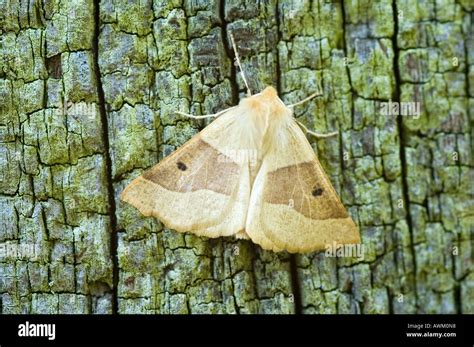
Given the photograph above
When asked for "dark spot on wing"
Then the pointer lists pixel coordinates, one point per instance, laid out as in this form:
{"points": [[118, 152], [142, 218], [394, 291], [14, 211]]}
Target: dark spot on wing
{"points": [[182, 166], [317, 192]]}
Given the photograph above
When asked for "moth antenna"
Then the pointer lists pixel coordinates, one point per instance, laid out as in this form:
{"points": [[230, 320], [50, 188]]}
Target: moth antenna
{"points": [[315, 134], [305, 99], [205, 115], [238, 63], [195, 117]]}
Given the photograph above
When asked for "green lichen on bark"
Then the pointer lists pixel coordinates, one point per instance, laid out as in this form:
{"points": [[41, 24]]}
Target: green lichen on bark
{"points": [[88, 93]]}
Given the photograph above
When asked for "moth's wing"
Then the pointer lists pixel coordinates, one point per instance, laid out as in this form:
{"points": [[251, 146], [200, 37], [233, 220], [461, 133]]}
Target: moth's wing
{"points": [[198, 188], [293, 205]]}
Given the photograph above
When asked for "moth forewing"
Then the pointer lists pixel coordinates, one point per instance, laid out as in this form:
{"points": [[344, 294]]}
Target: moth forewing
{"points": [[197, 188], [293, 205]]}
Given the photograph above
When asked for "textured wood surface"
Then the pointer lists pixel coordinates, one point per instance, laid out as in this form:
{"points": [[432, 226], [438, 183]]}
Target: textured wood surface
{"points": [[88, 91]]}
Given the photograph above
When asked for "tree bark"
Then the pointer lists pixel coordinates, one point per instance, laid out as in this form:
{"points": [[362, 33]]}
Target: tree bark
{"points": [[89, 91]]}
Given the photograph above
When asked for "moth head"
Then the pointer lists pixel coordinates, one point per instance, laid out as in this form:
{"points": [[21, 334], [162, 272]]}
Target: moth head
{"points": [[269, 93], [267, 101]]}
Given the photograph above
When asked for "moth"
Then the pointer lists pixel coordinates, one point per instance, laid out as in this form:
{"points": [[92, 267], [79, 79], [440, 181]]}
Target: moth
{"points": [[250, 173]]}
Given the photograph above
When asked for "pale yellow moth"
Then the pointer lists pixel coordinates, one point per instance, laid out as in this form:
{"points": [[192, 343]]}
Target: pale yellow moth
{"points": [[251, 173]]}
